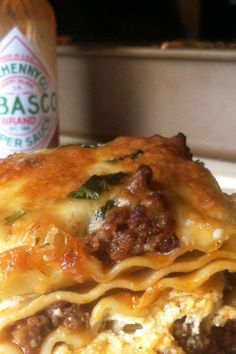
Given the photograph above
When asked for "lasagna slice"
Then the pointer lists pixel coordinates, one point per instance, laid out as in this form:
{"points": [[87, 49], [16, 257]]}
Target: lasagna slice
{"points": [[127, 247]]}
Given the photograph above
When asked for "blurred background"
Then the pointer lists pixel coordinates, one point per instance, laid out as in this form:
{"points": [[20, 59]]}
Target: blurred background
{"points": [[146, 22], [129, 68]]}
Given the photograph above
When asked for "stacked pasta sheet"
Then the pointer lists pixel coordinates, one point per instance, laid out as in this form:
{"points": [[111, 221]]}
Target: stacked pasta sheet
{"points": [[124, 247]]}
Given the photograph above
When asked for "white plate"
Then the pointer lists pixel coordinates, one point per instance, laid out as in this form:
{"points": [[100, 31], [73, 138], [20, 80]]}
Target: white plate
{"points": [[224, 172]]}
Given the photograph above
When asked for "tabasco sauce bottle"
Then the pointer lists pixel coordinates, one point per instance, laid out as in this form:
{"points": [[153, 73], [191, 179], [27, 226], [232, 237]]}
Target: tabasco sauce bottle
{"points": [[28, 99]]}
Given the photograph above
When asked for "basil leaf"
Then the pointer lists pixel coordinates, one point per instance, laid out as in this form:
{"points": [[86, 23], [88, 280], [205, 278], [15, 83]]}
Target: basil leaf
{"points": [[133, 156], [95, 185], [137, 154], [13, 217], [92, 145], [83, 145], [101, 212], [115, 178], [84, 193]]}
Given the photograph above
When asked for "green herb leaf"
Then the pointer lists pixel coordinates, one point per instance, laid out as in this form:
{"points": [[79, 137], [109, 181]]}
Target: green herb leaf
{"points": [[95, 185], [84, 193], [137, 154], [13, 217], [101, 212], [85, 145], [115, 178], [133, 156], [92, 145]]}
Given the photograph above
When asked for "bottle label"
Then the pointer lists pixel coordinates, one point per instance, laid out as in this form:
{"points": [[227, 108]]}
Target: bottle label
{"points": [[28, 100]]}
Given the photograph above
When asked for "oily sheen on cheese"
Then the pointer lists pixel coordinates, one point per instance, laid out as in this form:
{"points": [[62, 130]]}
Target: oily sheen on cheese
{"points": [[125, 247]]}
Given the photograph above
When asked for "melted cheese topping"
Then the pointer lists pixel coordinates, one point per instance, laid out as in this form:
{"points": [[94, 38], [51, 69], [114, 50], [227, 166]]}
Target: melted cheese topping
{"points": [[38, 184]]}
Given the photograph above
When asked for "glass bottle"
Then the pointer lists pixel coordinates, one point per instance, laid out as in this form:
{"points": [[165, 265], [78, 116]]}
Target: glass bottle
{"points": [[28, 99]]}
